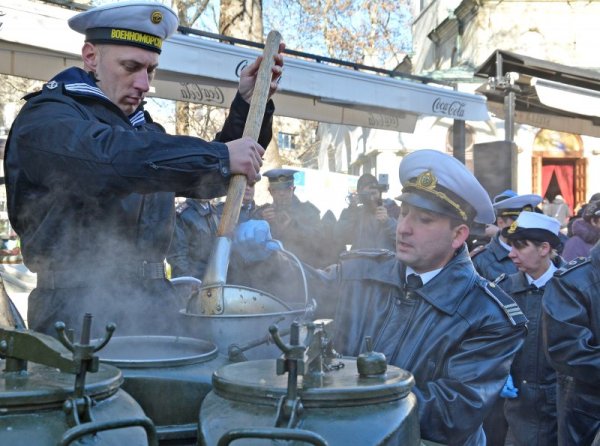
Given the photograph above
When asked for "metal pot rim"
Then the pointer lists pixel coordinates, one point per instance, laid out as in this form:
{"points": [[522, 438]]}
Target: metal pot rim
{"points": [[157, 351]]}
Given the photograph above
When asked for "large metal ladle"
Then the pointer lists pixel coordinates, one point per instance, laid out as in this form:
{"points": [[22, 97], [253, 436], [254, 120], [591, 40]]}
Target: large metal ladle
{"points": [[215, 297]]}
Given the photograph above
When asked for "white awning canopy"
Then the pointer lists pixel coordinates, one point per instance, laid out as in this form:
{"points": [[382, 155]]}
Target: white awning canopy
{"points": [[547, 95], [36, 42]]}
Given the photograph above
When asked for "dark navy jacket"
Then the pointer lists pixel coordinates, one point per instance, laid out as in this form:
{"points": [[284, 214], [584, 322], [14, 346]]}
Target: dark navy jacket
{"points": [[532, 415], [304, 235], [492, 260], [359, 228], [571, 325], [196, 226]]}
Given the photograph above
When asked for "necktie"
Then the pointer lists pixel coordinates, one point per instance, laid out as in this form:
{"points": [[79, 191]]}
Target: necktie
{"points": [[413, 282]]}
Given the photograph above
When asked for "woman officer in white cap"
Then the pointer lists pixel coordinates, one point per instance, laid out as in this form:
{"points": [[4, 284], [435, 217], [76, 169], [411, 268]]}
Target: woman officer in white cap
{"points": [[91, 180], [530, 405], [455, 332]]}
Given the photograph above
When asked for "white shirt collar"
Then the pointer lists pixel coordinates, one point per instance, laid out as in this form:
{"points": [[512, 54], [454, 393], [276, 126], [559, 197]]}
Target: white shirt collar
{"points": [[425, 277], [541, 281], [504, 245]]}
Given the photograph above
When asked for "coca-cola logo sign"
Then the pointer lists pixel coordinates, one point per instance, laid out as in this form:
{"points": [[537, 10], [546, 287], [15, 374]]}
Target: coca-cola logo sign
{"points": [[207, 94], [240, 66], [454, 109]]}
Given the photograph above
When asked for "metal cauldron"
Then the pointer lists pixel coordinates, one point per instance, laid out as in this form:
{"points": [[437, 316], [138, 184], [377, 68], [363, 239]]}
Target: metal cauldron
{"points": [[243, 336], [235, 317], [169, 377], [47, 398], [323, 400]]}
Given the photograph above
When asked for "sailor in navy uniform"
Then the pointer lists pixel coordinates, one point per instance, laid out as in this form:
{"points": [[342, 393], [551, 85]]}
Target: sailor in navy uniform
{"points": [[531, 415], [91, 179], [426, 308], [492, 259]]}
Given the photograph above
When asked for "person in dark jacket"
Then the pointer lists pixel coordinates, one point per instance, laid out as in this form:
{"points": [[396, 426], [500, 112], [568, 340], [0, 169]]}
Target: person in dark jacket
{"points": [[425, 307], [196, 225], [531, 409], [571, 333], [295, 223], [91, 179], [492, 259], [366, 223], [586, 233]]}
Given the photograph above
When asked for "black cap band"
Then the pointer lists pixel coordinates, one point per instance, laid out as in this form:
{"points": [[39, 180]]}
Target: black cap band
{"points": [[120, 36], [535, 234]]}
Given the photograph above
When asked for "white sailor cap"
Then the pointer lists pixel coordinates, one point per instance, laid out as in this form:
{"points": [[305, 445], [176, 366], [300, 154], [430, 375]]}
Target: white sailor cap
{"points": [[143, 24], [280, 178], [513, 206], [438, 182], [534, 226]]}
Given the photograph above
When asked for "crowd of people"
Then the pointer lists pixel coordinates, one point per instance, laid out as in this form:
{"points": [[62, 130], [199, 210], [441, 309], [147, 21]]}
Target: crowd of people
{"points": [[503, 341]]}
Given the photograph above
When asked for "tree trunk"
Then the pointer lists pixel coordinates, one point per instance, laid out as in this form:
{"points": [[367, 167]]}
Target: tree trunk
{"points": [[242, 19]]}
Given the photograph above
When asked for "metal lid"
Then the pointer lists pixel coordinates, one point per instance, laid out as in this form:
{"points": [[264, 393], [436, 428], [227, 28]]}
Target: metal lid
{"points": [[257, 381], [156, 351], [41, 386]]}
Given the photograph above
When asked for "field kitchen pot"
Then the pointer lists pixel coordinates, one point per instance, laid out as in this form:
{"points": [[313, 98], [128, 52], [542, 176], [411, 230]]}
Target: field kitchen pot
{"points": [[324, 399], [169, 377], [49, 398], [242, 333], [236, 317]]}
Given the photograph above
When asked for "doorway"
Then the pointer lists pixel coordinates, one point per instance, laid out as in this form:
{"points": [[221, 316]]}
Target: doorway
{"points": [[559, 168]]}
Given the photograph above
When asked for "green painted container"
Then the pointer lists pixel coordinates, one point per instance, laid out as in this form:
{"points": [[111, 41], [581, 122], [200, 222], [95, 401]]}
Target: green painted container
{"points": [[169, 376], [34, 409], [340, 407]]}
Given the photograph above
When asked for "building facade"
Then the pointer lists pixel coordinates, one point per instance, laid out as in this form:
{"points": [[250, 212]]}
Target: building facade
{"points": [[453, 38]]}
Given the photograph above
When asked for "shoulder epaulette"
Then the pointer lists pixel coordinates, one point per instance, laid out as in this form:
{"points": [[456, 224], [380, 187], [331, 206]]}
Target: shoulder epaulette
{"points": [[573, 264], [500, 278], [366, 253], [182, 207], [505, 302], [478, 250]]}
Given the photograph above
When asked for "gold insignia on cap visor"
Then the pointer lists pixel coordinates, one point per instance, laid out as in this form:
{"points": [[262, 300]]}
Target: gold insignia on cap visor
{"points": [[156, 17], [513, 227], [427, 182]]}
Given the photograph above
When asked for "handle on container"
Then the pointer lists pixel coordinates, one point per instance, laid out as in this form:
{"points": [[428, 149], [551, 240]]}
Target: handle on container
{"points": [[274, 433], [75, 433]]}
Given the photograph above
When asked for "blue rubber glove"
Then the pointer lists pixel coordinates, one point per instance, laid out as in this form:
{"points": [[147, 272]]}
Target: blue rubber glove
{"points": [[509, 390], [253, 241]]}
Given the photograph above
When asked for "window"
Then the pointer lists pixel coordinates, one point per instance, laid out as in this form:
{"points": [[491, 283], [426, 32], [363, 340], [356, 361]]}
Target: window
{"points": [[286, 141]]}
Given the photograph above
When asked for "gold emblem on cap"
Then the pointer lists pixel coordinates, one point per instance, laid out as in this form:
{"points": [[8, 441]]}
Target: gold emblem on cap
{"points": [[513, 227], [427, 180], [156, 17]]}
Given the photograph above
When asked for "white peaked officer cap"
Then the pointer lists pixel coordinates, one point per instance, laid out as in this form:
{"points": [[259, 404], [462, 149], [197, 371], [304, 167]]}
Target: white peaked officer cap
{"points": [[513, 206], [534, 226], [134, 23], [440, 183]]}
